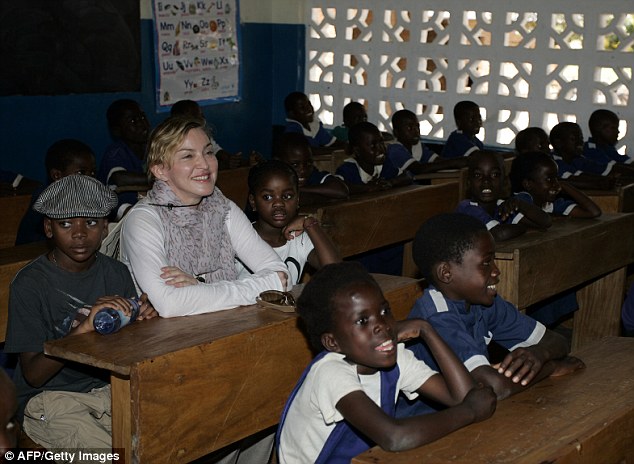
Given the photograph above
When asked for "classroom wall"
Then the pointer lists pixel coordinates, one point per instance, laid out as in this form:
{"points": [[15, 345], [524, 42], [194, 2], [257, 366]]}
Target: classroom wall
{"points": [[272, 65]]}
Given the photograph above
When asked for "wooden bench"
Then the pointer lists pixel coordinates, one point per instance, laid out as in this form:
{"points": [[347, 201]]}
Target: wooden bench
{"points": [[13, 208], [11, 261], [234, 185], [372, 221], [186, 386], [585, 417]]}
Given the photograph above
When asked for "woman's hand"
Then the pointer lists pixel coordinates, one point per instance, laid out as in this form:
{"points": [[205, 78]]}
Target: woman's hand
{"points": [[176, 277]]}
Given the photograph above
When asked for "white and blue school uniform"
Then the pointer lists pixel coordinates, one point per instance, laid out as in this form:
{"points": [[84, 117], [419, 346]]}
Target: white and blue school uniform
{"points": [[317, 177], [352, 173], [317, 135], [312, 430], [605, 155], [468, 332], [402, 158], [580, 165], [459, 144], [560, 207], [473, 208]]}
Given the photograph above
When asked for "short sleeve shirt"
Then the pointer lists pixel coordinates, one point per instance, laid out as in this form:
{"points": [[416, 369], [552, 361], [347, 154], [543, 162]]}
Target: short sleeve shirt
{"points": [[473, 208], [459, 144], [351, 172], [317, 135], [401, 157], [560, 207]]}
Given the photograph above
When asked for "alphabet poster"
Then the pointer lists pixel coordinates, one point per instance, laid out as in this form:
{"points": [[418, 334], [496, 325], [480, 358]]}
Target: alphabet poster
{"points": [[197, 51]]}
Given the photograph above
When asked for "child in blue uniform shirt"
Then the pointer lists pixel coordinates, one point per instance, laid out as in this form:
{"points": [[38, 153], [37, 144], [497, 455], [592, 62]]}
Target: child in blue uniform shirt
{"points": [[314, 185], [455, 254], [368, 169], [463, 141], [534, 180], [601, 147], [300, 118], [567, 141], [344, 401], [409, 153], [123, 163], [504, 217]]}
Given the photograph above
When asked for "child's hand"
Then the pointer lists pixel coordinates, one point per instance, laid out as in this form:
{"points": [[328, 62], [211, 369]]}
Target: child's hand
{"points": [[509, 207], [146, 310], [482, 401], [294, 228], [566, 366], [176, 277], [411, 328], [114, 302], [521, 366]]}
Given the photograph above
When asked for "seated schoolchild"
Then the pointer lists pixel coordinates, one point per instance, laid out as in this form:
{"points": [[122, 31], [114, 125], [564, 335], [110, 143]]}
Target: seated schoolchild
{"points": [[314, 185], [601, 146], [64, 404], [534, 179], [63, 158], [368, 169], [300, 118], [408, 152], [463, 141], [455, 254], [344, 402], [567, 141], [298, 240], [123, 163], [353, 113], [532, 139], [504, 217]]}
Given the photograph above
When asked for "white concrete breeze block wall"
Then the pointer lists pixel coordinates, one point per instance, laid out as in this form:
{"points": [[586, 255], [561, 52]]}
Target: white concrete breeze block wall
{"points": [[525, 64]]}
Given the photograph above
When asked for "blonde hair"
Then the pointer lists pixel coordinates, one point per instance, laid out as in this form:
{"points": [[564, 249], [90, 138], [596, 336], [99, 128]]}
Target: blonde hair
{"points": [[167, 137]]}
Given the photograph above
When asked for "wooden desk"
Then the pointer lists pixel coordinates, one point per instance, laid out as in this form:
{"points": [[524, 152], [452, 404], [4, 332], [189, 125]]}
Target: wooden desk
{"points": [[450, 175], [13, 208], [618, 200], [186, 386], [330, 161], [371, 221], [11, 261], [589, 253], [586, 417]]}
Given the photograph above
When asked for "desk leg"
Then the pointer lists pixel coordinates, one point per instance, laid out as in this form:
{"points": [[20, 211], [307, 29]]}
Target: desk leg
{"points": [[121, 416], [599, 313]]}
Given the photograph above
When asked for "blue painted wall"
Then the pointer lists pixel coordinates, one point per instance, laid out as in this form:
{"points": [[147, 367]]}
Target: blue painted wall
{"points": [[272, 66]]}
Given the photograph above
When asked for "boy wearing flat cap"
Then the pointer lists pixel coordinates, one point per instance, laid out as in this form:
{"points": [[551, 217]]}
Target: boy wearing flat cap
{"points": [[67, 405]]}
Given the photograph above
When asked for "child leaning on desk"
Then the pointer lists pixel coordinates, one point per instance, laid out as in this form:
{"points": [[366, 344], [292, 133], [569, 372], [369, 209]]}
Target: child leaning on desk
{"points": [[67, 405], [534, 180], [504, 217], [344, 402], [314, 185], [409, 153], [455, 254], [274, 197], [368, 169]]}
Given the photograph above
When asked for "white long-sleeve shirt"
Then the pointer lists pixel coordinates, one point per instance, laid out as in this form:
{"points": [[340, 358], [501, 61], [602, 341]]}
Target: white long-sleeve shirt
{"points": [[143, 251]]}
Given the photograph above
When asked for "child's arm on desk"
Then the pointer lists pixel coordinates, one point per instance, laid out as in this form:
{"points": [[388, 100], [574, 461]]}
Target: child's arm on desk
{"points": [[394, 434], [586, 208], [534, 216], [38, 368], [331, 187], [526, 366], [324, 251]]}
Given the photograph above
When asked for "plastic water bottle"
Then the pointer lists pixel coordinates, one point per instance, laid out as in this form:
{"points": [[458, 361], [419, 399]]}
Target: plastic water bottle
{"points": [[110, 320]]}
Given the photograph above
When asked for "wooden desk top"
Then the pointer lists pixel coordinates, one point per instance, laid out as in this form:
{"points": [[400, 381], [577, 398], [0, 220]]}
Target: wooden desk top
{"points": [[120, 351], [585, 417], [540, 264]]}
